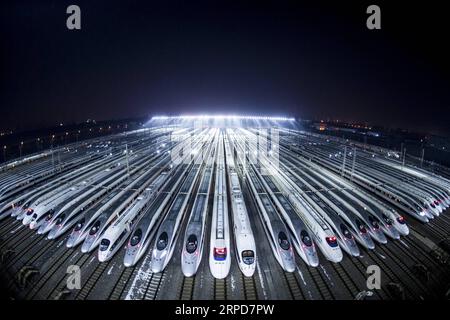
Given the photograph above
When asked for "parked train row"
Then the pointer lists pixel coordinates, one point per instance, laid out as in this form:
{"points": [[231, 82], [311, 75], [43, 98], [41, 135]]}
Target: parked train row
{"points": [[420, 194], [149, 193]]}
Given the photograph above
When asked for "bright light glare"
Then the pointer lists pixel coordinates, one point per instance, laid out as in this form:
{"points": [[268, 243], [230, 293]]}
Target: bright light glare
{"points": [[222, 117]]}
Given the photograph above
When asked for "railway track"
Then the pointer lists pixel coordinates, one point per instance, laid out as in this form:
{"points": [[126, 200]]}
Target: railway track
{"points": [[362, 268], [391, 274], [121, 284], [29, 262], [48, 274], [293, 286], [414, 257], [59, 289], [347, 279], [9, 225], [153, 286], [399, 259], [427, 256], [187, 288], [249, 284], [13, 238], [220, 289], [320, 283], [92, 280]]}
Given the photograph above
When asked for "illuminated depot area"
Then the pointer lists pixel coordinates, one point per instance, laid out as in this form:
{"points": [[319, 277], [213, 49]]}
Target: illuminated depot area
{"points": [[223, 207]]}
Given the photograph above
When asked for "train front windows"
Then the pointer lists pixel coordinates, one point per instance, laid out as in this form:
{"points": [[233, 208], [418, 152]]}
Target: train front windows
{"points": [[220, 254], [283, 241], [387, 220], [79, 225], [60, 220], [137, 235], [30, 212], [374, 223], [248, 256], [346, 232], [94, 228], [401, 220], [332, 241], [49, 216], [104, 244], [162, 241], [305, 238], [361, 227], [191, 244]]}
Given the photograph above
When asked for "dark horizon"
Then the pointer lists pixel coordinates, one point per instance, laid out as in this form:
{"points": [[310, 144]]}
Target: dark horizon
{"points": [[140, 58]]}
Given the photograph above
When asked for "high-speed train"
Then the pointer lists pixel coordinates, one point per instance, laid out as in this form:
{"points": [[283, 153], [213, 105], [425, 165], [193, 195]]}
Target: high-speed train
{"points": [[71, 212], [91, 224], [300, 234], [276, 231], [219, 246], [145, 229], [43, 210], [117, 234], [394, 196], [168, 230], [245, 246], [333, 202], [194, 236], [322, 233], [97, 185]]}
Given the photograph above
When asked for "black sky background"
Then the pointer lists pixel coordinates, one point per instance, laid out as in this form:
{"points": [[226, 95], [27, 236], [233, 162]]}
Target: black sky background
{"points": [[312, 59]]}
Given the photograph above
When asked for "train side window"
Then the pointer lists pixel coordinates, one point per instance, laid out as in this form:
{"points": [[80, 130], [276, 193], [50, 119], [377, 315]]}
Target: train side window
{"points": [[115, 244]]}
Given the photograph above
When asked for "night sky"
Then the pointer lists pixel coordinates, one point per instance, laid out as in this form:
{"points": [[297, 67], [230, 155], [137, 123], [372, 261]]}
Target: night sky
{"points": [[313, 60]]}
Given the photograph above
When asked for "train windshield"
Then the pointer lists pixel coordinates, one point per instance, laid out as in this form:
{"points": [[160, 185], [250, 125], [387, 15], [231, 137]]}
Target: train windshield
{"points": [[191, 244], [305, 238], [248, 256], [162, 241], [401, 220], [387, 219], [104, 244], [60, 219], [332, 241], [374, 223], [79, 225], [283, 241], [361, 226], [137, 235], [220, 254], [95, 228], [346, 232]]}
